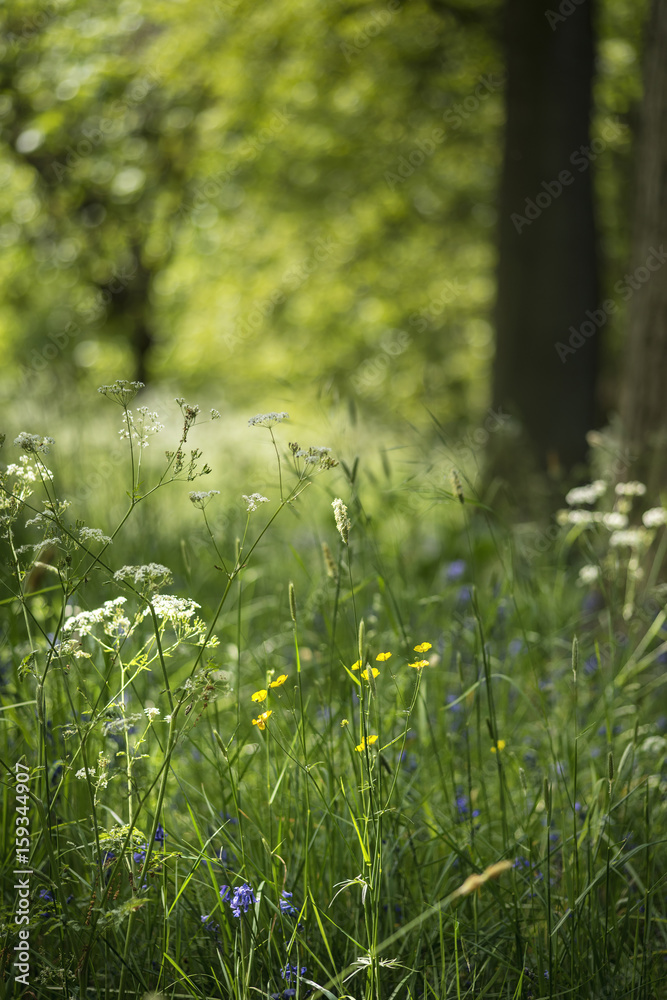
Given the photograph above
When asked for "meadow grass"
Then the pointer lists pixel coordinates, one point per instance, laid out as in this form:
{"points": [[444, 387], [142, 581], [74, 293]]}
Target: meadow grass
{"points": [[263, 767]]}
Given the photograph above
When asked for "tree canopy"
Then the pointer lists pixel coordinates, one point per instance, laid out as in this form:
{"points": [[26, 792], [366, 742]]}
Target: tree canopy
{"points": [[261, 194]]}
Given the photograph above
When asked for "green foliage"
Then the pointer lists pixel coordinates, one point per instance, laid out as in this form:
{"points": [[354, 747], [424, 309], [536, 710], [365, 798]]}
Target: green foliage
{"points": [[309, 765], [266, 193]]}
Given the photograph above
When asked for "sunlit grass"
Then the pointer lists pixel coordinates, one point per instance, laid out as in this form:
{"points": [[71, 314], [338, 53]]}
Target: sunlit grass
{"points": [[320, 762]]}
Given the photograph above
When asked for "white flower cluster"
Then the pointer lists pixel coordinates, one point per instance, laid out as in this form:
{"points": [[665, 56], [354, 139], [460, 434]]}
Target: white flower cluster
{"points": [[654, 517], [634, 538], [121, 391], [254, 500], [201, 497], [586, 494], [341, 517], [267, 419], [94, 535], [147, 422], [33, 442], [630, 489], [24, 472], [149, 576], [613, 520], [151, 712], [84, 621], [589, 574], [311, 455], [178, 610]]}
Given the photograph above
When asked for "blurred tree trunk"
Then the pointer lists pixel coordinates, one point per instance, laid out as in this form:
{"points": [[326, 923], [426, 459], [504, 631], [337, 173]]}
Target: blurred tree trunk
{"points": [[644, 397], [545, 366]]}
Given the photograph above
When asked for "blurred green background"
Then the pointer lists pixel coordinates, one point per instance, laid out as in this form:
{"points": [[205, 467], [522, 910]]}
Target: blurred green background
{"points": [[270, 206]]}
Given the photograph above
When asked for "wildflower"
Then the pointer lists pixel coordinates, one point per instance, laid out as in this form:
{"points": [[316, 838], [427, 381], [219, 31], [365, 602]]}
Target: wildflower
{"points": [[259, 695], [201, 497], [356, 665], [140, 854], [500, 745], [292, 973], [589, 574], [241, 899], [262, 719], [215, 414], [654, 517], [615, 520], [94, 535], [383, 656], [151, 712], [586, 494], [254, 500], [160, 835], [344, 722], [146, 423], [423, 647], [177, 610], [121, 391], [209, 925], [267, 419], [33, 442], [285, 906], [366, 743], [632, 537], [633, 489], [342, 520], [149, 576], [418, 664], [280, 680], [456, 569], [364, 673]]}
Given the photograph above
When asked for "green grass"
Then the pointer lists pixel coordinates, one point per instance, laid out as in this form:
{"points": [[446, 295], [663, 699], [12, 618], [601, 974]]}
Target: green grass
{"points": [[533, 734]]}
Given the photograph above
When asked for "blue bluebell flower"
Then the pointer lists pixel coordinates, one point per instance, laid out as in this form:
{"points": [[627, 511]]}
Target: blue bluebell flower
{"points": [[456, 569], [242, 897], [285, 906]]}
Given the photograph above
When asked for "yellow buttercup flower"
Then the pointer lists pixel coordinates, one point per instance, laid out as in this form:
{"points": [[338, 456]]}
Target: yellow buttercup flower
{"points": [[259, 695], [500, 745], [423, 647], [418, 664], [355, 666], [344, 722], [261, 720], [376, 673], [383, 656], [278, 681], [366, 742]]}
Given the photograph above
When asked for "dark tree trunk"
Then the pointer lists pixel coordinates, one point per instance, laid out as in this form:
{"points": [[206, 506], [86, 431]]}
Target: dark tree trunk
{"points": [[644, 399], [547, 271]]}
